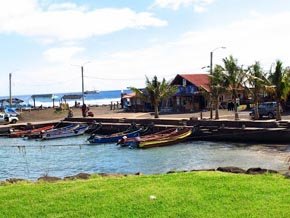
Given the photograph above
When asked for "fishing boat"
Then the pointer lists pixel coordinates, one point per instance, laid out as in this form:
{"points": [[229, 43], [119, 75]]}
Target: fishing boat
{"points": [[68, 131], [94, 127], [29, 132], [163, 138], [113, 138]]}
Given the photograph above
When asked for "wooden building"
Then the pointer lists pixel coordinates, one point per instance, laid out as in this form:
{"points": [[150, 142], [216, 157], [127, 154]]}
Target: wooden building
{"points": [[190, 97]]}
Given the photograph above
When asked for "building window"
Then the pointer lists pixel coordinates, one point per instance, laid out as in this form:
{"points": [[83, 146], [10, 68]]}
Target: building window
{"points": [[184, 82]]}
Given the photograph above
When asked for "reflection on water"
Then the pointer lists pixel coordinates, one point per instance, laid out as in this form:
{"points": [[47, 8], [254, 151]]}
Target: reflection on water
{"points": [[31, 159]]}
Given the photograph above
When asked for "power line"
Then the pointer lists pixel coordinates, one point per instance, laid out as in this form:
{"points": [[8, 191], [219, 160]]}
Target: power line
{"points": [[121, 79], [43, 83], [110, 79]]}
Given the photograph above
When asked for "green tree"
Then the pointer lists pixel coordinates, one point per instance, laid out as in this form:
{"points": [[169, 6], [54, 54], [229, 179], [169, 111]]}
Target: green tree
{"points": [[279, 79], [155, 91], [256, 79], [234, 78], [217, 84]]}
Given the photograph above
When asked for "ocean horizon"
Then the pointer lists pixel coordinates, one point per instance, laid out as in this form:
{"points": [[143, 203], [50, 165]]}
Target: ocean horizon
{"points": [[99, 98]]}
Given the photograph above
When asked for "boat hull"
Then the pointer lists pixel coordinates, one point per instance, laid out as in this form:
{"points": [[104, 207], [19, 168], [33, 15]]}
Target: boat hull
{"points": [[169, 140], [163, 138], [65, 132], [112, 138], [27, 133]]}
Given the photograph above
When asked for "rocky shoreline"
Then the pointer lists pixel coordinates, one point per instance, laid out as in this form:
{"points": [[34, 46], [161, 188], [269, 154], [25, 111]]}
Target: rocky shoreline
{"points": [[85, 176]]}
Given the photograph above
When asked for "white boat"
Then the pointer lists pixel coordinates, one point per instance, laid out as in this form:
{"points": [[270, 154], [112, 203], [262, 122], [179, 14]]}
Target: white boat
{"points": [[91, 92], [72, 130]]}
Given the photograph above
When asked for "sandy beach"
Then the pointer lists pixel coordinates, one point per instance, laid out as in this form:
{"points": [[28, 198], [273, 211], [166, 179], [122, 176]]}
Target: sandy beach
{"points": [[51, 114]]}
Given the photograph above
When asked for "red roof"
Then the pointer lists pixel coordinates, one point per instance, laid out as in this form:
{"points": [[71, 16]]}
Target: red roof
{"points": [[199, 80]]}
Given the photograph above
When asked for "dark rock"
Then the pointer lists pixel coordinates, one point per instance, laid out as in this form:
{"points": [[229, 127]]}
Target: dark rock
{"points": [[203, 170], [287, 175], [272, 171], [78, 176], [183, 171], [14, 180], [256, 170], [231, 169], [171, 171], [111, 174], [49, 178]]}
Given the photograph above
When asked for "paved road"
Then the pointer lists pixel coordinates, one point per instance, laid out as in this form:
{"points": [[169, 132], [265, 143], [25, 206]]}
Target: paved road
{"points": [[223, 114]]}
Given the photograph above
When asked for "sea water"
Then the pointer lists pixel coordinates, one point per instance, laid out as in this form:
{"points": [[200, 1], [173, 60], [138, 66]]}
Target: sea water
{"points": [[30, 159], [99, 98]]}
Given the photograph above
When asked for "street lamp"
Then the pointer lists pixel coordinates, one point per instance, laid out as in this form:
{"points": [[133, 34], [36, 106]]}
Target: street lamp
{"points": [[211, 59], [10, 88]]}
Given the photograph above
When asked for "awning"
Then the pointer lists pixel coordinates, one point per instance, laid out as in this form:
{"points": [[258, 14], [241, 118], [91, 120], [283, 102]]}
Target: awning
{"points": [[14, 100], [72, 97], [50, 96]]}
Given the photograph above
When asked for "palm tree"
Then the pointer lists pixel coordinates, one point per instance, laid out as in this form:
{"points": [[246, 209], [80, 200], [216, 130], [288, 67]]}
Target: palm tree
{"points": [[234, 77], [155, 92], [279, 79], [217, 84], [257, 81]]}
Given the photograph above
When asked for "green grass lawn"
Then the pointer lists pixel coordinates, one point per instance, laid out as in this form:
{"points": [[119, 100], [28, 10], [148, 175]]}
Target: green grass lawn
{"points": [[196, 194]]}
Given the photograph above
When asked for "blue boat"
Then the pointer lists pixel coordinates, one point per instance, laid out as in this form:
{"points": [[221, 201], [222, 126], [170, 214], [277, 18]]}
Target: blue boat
{"points": [[99, 139]]}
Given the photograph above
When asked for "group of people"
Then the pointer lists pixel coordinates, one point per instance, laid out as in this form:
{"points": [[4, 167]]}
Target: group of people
{"points": [[85, 112], [231, 106]]}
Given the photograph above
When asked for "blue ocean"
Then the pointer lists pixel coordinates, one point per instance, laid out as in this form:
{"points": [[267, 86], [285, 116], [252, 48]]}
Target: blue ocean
{"points": [[99, 98]]}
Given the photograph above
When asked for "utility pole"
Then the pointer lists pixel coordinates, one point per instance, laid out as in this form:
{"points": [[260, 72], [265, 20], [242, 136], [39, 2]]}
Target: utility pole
{"points": [[10, 93], [83, 86], [210, 96], [83, 83]]}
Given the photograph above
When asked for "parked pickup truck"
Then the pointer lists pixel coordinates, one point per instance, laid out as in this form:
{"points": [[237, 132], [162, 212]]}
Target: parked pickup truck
{"points": [[6, 118]]}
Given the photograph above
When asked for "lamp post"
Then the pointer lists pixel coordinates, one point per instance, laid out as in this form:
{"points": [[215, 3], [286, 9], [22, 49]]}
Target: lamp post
{"points": [[211, 60], [10, 88]]}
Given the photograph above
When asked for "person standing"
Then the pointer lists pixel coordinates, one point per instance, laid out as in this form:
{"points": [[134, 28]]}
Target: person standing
{"points": [[84, 110]]}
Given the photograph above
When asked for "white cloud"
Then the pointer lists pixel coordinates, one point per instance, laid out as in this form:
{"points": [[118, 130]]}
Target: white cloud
{"points": [[199, 5], [68, 21], [62, 54], [262, 38]]}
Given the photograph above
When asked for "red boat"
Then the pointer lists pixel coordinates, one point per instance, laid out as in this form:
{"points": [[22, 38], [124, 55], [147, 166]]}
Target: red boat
{"points": [[29, 132]]}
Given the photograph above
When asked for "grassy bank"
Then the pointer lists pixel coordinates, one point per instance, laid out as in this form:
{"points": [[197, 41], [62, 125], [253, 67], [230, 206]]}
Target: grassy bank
{"points": [[198, 194]]}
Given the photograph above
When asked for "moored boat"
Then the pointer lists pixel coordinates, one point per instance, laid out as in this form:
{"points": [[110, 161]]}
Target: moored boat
{"points": [[68, 131], [29, 132], [163, 138], [113, 138]]}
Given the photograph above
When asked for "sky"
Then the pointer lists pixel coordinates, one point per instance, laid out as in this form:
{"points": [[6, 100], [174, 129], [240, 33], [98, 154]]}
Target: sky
{"points": [[44, 43]]}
